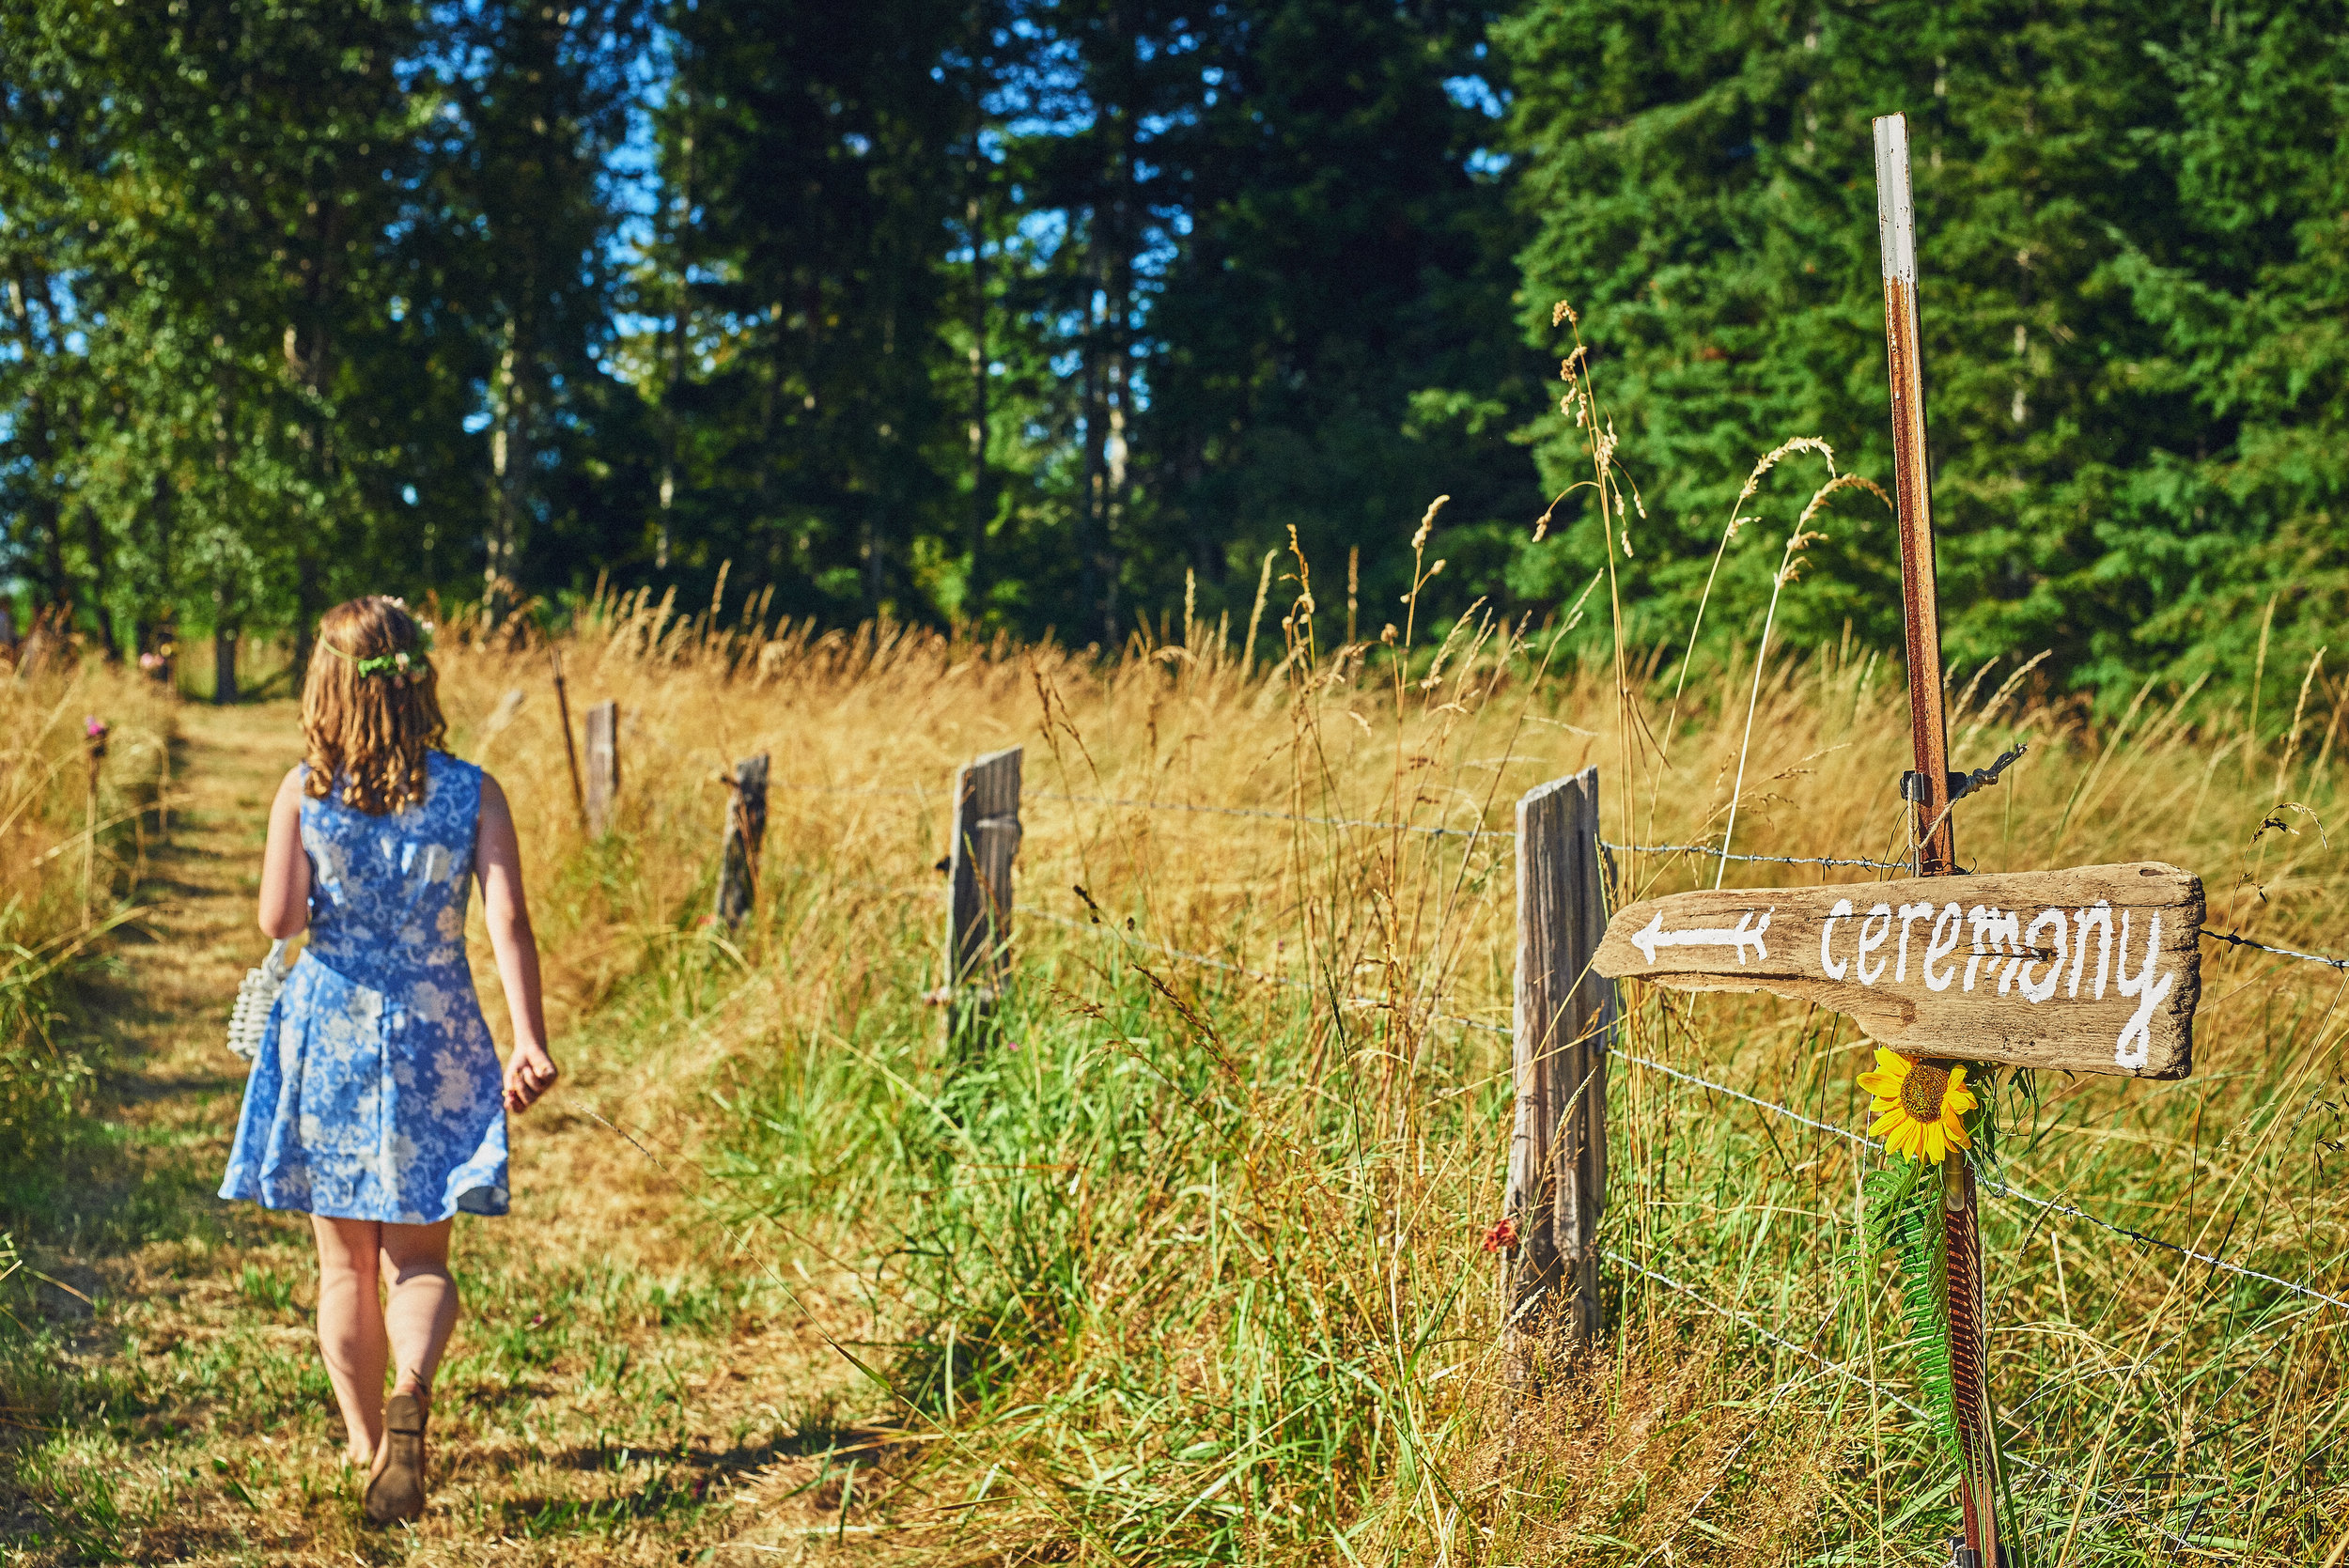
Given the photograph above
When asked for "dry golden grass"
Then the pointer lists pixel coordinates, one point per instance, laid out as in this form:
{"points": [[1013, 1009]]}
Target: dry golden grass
{"points": [[1749, 1209], [1179, 1264], [69, 857]]}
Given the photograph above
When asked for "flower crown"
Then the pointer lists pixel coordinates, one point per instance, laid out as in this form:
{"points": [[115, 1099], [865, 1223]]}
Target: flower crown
{"points": [[401, 666]]}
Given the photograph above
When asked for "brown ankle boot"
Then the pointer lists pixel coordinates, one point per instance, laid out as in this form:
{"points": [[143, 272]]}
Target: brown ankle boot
{"points": [[395, 1492]]}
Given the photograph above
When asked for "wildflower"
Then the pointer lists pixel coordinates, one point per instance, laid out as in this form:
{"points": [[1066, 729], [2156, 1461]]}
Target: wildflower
{"points": [[1501, 1236], [1920, 1106]]}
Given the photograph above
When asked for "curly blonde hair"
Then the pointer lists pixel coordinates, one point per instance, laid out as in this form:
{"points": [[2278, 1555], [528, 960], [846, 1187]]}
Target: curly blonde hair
{"points": [[371, 707]]}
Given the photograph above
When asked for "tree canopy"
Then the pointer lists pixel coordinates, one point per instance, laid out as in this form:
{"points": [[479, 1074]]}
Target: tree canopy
{"points": [[1049, 318]]}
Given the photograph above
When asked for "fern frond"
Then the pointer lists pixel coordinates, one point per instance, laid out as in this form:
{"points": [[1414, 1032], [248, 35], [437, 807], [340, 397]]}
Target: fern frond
{"points": [[1911, 1227]]}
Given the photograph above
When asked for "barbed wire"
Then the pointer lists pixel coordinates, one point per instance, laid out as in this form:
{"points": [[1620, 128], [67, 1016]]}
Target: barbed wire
{"points": [[1839, 1368], [2233, 941], [1845, 1370], [1462, 832], [1619, 847], [1698, 1081], [1266, 814], [2297, 1288], [1773, 860], [900, 790], [1707, 1083], [1273, 816], [1173, 953]]}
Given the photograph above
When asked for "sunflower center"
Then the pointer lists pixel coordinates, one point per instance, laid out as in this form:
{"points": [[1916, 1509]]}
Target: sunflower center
{"points": [[1923, 1090]]}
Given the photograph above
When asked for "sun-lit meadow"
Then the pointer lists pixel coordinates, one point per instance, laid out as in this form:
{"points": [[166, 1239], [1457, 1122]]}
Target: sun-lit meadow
{"points": [[1180, 1263], [1181, 1260]]}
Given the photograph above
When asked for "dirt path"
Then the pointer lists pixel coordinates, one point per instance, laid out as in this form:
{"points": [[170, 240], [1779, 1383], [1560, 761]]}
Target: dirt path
{"points": [[611, 1396]]}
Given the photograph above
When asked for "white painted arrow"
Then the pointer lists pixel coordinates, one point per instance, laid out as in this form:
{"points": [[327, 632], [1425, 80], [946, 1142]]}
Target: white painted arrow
{"points": [[1747, 931]]}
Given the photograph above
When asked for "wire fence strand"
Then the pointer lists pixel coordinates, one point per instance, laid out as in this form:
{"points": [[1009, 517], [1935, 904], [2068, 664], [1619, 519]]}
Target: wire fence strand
{"points": [[1621, 848], [1839, 1368], [1273, 816], [2295, 1287], [1378, 824], [1771, 860], [2234, 940], [1695, 1080], [1845, 1370]]}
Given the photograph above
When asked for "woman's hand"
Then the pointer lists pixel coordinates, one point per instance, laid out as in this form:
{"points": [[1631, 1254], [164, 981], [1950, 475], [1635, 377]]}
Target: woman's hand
{"points": [[498, 862], [530, 1072]]}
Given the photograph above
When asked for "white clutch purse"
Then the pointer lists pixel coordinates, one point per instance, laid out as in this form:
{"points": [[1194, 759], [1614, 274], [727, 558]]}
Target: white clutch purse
{"points": [[256, 995]]}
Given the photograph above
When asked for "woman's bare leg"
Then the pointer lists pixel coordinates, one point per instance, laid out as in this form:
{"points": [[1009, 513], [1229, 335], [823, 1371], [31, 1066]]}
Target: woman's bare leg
{"points": [[422, 1310], [351, 1334]]}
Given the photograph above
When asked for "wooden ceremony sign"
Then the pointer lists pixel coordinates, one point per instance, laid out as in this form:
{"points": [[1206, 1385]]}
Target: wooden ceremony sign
{"points": [[2095, 969]]}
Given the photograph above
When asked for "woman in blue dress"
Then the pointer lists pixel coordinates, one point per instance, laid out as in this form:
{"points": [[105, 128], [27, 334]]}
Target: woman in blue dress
{"points": [[376, 1104]]}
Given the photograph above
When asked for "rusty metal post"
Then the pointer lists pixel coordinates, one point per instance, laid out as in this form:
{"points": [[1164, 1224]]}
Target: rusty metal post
{"points": [[1912, 482], [1937, 839]]}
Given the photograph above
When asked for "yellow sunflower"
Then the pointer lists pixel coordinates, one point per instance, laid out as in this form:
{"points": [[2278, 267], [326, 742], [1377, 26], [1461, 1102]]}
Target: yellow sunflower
{"points": [[1921, 1106]]}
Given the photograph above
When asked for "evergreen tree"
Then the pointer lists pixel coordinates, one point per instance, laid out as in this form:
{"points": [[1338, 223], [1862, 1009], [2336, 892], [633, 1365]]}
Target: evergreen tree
{"points": [[1704, 184]]}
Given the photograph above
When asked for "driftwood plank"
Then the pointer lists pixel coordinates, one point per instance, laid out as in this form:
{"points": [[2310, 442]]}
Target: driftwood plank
{"points": [[1557, 1151], [2093, 970]]}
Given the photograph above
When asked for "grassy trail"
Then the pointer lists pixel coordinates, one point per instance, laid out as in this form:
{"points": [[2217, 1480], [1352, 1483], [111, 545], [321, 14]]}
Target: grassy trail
{"points": [[614, 1394]]}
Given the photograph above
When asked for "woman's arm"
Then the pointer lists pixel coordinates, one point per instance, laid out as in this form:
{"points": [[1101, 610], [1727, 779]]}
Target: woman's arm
{"points": [[285, 869], [498, 862]]}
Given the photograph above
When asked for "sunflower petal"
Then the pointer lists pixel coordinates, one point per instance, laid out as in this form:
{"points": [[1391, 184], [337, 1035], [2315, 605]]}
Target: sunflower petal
{"points": [[1955, 1131], [1892, 1118], [1935, 1145]]}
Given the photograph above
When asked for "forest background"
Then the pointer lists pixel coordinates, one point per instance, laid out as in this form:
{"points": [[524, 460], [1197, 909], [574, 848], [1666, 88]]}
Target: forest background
{"points": [[1037, 318]]}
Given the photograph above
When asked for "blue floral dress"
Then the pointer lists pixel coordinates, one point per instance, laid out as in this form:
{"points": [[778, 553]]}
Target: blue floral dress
{"points": [[376, 1093]]}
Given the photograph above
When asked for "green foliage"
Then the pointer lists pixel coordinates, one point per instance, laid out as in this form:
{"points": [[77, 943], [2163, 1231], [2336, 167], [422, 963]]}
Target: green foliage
{"points": [[263, 263], [1007, 314], [2130, 288], [1035, 317], [1901, 1214]]}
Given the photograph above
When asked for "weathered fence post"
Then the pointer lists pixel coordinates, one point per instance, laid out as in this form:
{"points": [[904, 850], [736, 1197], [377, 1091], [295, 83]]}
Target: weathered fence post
{"points": [[603, 765], [746, 830], [986, 839], [570, 752], [1564, 1014], [94, 732]]}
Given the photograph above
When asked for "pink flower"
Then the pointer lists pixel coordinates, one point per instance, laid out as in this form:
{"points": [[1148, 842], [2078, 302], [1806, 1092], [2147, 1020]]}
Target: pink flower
{"points": [[94, 728], [1503, 1237]]}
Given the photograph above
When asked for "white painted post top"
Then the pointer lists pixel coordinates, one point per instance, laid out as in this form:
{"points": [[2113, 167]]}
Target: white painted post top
{"points": [[1896, 214]]}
